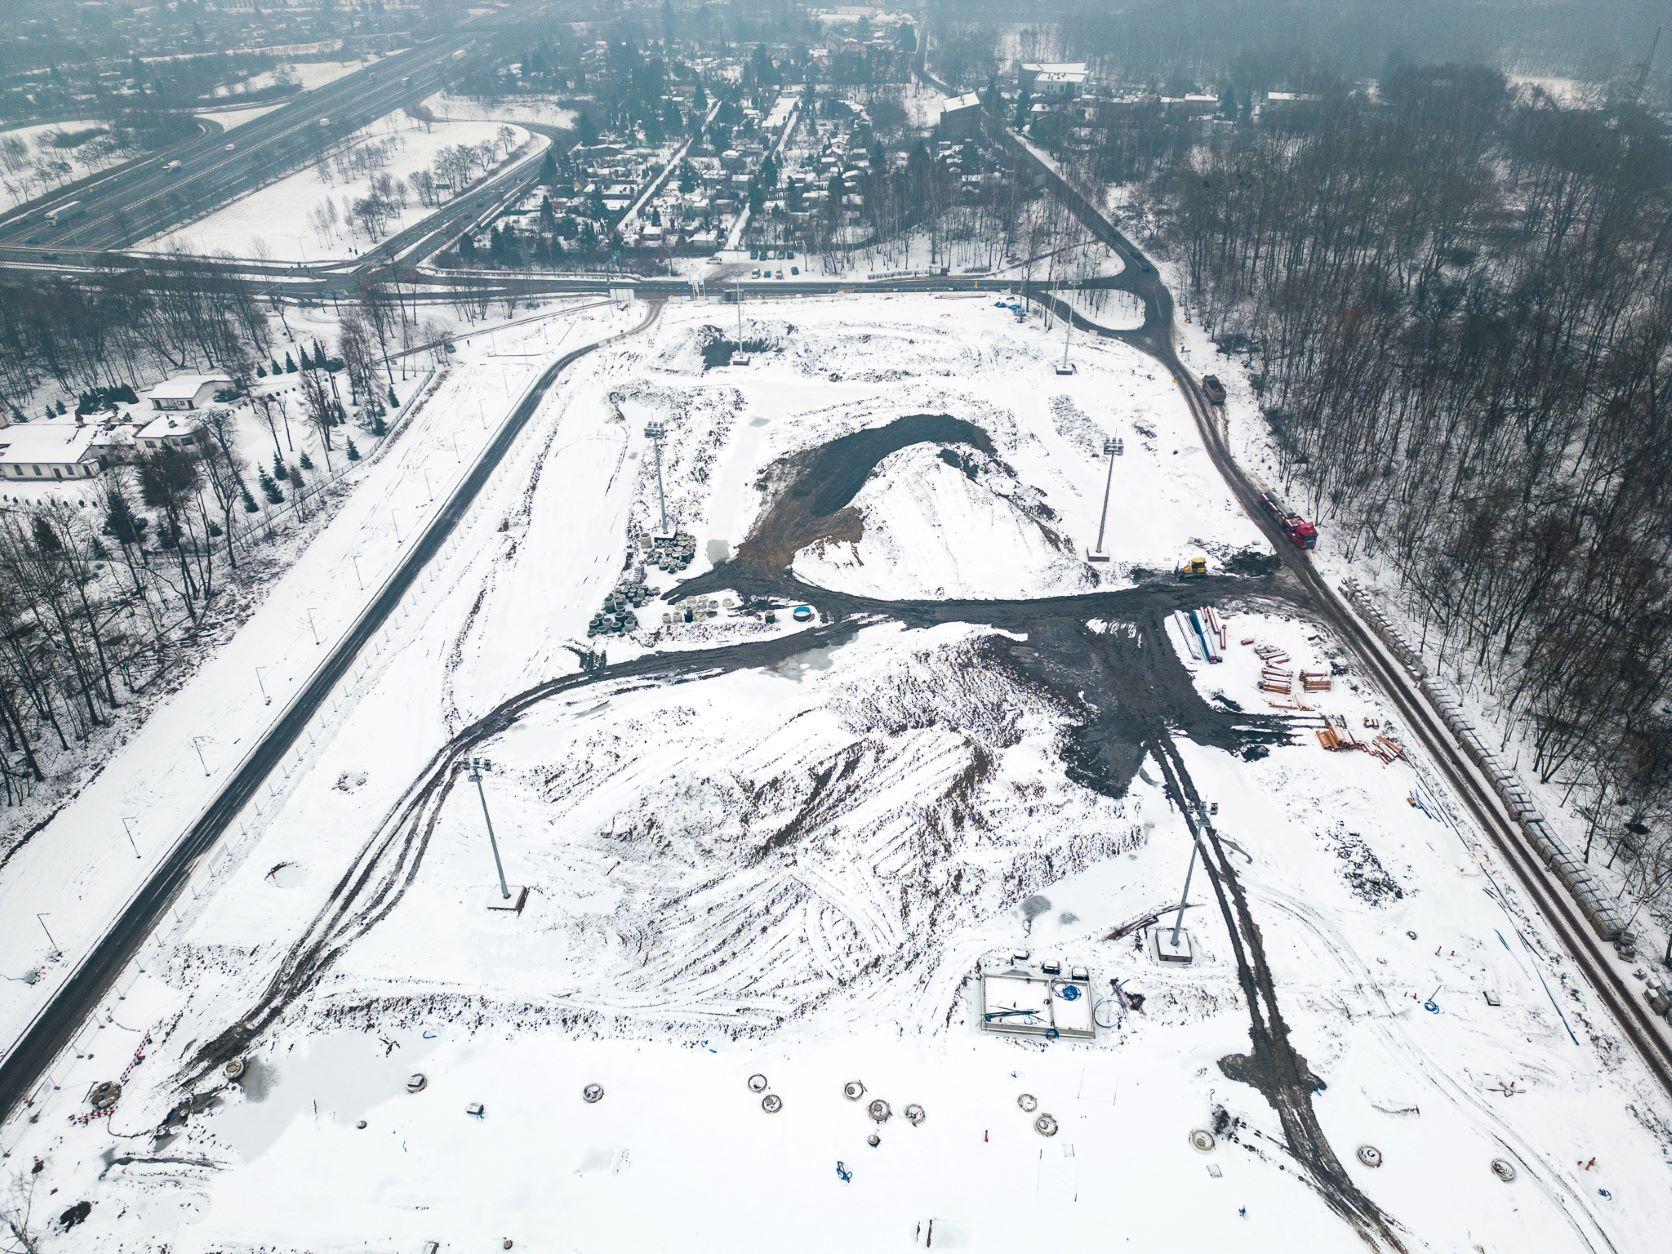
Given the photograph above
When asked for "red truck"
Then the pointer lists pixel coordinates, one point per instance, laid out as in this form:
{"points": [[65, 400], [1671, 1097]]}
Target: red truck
{"points": [[1301, 531]]}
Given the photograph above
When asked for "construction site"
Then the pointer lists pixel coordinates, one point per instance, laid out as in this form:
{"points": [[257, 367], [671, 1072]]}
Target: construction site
{"points": [[835, 838]]}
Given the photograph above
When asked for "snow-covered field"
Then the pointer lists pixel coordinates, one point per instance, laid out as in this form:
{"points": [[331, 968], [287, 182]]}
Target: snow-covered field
{"points": [[282, 219], [40, 166], [791, 867], [71, 867], [306, 75], [541, 109], [232, 119]]}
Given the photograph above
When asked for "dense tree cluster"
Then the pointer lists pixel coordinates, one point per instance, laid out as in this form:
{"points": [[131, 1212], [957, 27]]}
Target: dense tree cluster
{"points": [[104, 593], [83, 337], [1458, 305]]}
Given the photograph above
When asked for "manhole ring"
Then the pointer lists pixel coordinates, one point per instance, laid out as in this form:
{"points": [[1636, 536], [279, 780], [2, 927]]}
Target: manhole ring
{"points": [[1201, 1139], [757, 1083], [1045, 1125], [1028, 1102], [879, 1110], [772, 1103], [592, 1093], [915, 1114], [1370, 1156], [1503, 1169], [853, 1090]]}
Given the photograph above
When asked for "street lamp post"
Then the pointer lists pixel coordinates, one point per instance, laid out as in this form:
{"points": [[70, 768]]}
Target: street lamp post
{"points": [[265, 698], [197, 743], [40, 917], [127, 826]]}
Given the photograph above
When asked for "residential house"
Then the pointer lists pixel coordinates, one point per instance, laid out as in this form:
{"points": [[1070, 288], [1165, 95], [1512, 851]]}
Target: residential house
{"points": [[188, 391], [50, 450]]}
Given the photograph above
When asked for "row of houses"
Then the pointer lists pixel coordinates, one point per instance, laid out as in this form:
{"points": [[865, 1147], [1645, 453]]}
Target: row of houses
{"points": [[85, 447]]}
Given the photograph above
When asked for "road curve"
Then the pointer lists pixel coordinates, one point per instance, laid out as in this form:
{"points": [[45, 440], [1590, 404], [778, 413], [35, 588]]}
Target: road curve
{"points": [[1648, 1034], [56, 1024]]}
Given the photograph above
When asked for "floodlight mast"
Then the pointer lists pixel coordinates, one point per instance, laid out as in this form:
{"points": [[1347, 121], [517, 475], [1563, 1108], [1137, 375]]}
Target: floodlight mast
{"points": [[655, 431], [1110, 448], [477, 766]]}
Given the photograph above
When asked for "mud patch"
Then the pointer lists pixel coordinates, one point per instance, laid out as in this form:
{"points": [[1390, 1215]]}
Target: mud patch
{"points": [[810, 493], [1250, 562]]}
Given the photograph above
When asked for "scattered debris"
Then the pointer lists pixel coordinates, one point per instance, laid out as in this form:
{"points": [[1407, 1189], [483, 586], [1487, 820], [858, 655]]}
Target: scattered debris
{"points": [[476, 1110], [103, 1095]]}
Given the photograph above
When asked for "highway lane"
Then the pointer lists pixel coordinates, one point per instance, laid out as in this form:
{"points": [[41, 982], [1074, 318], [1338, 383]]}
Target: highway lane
{"points": [[84, 987], [144, 199]]}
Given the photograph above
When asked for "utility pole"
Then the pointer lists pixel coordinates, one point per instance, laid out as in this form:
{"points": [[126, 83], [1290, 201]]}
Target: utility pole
{"points": [[127, 826], [40, 917], [266, 700], [197, 743], [654, 432], [1112, 448], [1067, 330], [506, 900]]}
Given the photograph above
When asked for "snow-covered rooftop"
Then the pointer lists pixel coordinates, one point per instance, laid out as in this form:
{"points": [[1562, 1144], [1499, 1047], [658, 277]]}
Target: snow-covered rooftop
{"points": [[46, 442], [182, 387]]}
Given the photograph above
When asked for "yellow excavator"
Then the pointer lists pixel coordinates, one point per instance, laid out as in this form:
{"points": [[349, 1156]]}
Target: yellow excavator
{"points": [[1194, 568]]}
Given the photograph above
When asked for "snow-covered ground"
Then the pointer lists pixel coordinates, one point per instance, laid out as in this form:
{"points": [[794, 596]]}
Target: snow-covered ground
{"points": [[792, 868], [79, 867], [541, 109], [306, 75], [41, 165], [233, 118], [282, 219]]}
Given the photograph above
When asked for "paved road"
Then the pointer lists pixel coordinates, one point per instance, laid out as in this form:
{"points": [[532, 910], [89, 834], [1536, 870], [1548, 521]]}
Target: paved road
{"points": [[143, 199], [86, 985], [1156, 337]]}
